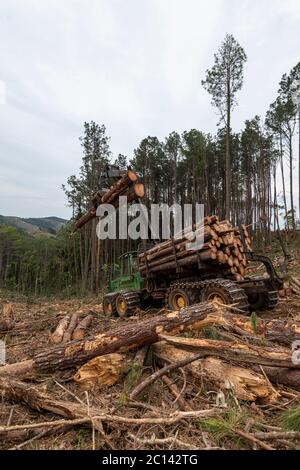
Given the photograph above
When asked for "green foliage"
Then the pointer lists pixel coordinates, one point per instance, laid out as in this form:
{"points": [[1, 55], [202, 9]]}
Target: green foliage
{"points": [[222, 428], [225, 78], [123, 399], [211, 333], [133, 376], [253, 321], [39, 265], [82, 436], [290, 419]]}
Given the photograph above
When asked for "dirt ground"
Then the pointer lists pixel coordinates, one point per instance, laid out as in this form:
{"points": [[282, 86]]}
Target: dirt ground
{"points": [[34, 322]]}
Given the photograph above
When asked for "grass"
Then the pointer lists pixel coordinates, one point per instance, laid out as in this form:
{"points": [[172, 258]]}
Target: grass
{"points": [[123, 399], [82, 437], [290, 419], [253, 321], [133, 376], [222, 429], [211, 333]]}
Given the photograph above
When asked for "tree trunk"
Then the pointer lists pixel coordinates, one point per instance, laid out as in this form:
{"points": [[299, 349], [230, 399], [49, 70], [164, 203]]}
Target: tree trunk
{"points": [[248, 385], [291, 181], [58, 334], [81, 329], [235, 351], [121, 339], [71, 327], [283, 177], [228, 156], [299, 162], [195, 317]]}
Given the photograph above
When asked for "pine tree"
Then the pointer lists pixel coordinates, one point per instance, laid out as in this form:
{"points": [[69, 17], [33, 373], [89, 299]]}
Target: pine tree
{"points": [[222, 82]]}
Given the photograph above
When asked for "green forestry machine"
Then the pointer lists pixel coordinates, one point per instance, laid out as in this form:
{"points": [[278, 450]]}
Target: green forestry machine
{"points": [[167, 274], [129, 289]]}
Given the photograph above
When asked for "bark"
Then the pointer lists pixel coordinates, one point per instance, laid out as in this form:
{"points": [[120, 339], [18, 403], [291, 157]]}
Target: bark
{"points": [[247, 384], [82, 327], [7, 321], [235, 351], [20, 392], [126, 180], [132, 336], [121, 339], [126, 186], [223, 246], [58, 334], [71, 327], [279, 375]]}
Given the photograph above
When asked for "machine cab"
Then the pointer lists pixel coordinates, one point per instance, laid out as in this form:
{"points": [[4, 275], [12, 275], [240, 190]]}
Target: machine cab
{"points": [[127, 276]]}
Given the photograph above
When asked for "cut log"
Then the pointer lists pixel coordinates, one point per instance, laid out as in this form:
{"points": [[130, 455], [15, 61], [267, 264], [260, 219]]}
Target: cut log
{"points": [[226, 250], [136, 191], [102, 371], [7, 321], [279, 375], [123, 338], [58, 334], [247, 384], [71, 327], [82, 327], [126, 180], [134, 335], [234, 351], [7, 311], [126, 186]]}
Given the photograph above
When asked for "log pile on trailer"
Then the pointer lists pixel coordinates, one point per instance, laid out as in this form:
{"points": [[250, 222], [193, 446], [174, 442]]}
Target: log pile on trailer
{"points": [[224, 246]]}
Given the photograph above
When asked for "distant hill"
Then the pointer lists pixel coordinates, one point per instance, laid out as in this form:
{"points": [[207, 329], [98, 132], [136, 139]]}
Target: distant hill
{"points": [[35, 226]]}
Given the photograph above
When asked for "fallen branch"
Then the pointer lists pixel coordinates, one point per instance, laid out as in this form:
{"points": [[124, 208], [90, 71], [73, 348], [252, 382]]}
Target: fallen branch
{"points": [[253, 439], [183, 405], [162, 442], [165, 370], [17, 391], [269, 436]]}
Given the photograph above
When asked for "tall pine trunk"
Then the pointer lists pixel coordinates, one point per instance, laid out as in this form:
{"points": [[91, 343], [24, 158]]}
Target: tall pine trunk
{"points": [[227, 158]]}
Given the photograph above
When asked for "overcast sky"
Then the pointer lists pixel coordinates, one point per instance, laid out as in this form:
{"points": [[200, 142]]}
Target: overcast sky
{"points": [[134, 65]]}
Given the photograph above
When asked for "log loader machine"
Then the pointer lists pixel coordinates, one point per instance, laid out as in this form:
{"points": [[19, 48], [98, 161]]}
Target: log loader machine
{"points": [[129, 290], [131, 287]]}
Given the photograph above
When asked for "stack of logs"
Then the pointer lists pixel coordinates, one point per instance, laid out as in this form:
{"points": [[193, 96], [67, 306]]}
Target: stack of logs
{"points": [[127, 185], [223, 246], [71, 327]]}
